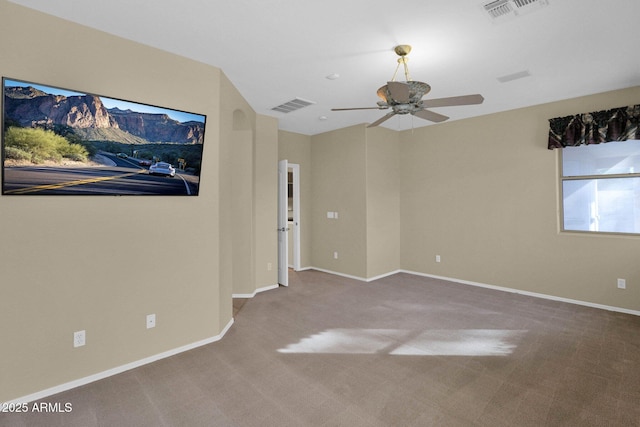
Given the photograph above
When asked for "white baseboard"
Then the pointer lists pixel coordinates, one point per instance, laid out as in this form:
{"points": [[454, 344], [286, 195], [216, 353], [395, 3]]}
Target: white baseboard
{"points": [[348, 276], [117, 370], [484, 285], [336, 273], [527, 293], [257, 291], [382, 276]]}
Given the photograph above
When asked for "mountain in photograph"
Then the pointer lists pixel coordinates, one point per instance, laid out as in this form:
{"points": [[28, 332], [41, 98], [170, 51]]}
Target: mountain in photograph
{"points": [[158, 127], [87, 115]]}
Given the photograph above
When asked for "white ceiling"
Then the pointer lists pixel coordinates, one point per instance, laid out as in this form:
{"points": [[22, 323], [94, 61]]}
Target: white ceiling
{"points": [[277, 50]]}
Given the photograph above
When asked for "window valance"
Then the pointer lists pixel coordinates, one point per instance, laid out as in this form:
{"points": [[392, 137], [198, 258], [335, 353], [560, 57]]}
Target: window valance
{"points": [[617, 124]]}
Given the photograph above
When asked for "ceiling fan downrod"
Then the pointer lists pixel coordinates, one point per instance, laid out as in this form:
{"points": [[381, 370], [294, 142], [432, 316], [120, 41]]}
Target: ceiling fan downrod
{"points": [[402, 51]]}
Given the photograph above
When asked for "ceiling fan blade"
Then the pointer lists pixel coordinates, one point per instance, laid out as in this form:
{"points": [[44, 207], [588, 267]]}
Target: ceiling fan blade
{"points": [[382, 119], [454, 100], [431, 116], [359, 108], [399, 91]]}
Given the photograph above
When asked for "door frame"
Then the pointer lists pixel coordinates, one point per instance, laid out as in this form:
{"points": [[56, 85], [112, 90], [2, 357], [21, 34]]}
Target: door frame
{"points": [[283, 223], [295, 168]]}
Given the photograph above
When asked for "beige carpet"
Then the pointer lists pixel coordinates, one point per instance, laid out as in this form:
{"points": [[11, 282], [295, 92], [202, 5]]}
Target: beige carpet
{"points": [[400, 351]]}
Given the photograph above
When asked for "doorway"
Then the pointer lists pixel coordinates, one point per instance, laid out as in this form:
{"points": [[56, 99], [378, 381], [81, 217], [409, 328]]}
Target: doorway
{"points": [[288, 220]]}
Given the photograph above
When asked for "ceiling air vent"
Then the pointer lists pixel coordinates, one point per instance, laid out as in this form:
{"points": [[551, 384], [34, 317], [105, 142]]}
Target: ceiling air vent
{"points": [[500, 10], [293, 105]]}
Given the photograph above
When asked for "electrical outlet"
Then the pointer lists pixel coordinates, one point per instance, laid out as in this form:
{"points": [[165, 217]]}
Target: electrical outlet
{"points": [[437, 258], [622, 284], [79, 338], [151, 321], [269, 266]]}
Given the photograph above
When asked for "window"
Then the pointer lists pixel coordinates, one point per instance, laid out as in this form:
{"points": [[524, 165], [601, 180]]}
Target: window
{"points": [[600, 187]]}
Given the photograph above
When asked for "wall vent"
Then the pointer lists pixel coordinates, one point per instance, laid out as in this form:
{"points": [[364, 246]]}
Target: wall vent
{"points": [[500, 10], [293, 105]]}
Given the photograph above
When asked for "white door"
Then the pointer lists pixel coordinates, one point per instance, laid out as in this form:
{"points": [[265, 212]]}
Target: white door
{"points": [[283, 235]]}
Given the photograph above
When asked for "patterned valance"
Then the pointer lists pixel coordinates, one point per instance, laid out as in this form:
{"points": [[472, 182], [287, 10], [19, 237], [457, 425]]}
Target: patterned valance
{"points": [[618, 124]]}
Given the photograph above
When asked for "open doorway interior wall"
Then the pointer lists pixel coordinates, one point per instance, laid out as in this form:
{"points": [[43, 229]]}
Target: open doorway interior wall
{"points": [[293, 214]]}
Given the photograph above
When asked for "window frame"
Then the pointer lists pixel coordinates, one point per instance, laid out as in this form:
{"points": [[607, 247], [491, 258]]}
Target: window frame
{"points": [[562, 179]]}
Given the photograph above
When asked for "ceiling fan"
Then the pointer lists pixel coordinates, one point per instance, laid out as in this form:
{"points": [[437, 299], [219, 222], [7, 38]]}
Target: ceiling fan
{"points": [[406, 97]]}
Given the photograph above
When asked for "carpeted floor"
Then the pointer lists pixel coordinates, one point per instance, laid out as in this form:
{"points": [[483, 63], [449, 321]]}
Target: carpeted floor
{"points": [[400, 351]]}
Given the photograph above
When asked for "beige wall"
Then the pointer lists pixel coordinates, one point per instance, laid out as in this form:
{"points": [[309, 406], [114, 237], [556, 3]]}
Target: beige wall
{"points": [[248, 204], [483, 194], [266, 202], [338, 184], [102, 263], [383, 201]]}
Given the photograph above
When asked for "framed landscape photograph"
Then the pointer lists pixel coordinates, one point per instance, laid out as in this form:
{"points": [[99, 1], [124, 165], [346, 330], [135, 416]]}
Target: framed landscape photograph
{"points": [[64, 142]]}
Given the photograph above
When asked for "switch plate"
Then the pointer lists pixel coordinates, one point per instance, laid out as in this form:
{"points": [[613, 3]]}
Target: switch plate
{"points": [[269, 266], [151, 321], [335, 255], [79, 338], [335, 215], [437, 258], [330, 215], [622, 284]]}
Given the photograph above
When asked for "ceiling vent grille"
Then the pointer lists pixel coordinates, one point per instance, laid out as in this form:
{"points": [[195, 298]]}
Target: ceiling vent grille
{"points": [[293, 105], [500, 10]]}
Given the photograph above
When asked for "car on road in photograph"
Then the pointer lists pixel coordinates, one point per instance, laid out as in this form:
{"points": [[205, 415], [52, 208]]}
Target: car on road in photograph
{"points": [[144, 162], [162, 168], [122, 155]]}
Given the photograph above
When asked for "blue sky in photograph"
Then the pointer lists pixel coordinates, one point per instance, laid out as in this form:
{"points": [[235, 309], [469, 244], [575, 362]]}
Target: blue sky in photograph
{"points": [[180, 116]]}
